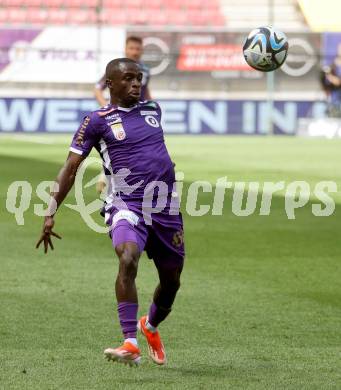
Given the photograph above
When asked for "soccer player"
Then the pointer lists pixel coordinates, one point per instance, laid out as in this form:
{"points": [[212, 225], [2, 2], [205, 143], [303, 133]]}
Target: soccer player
{"points": [[134, 51], [128, 135]]}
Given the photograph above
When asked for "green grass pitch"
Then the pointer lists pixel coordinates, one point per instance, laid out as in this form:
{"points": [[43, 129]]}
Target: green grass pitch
{"points": [[260, 302]]}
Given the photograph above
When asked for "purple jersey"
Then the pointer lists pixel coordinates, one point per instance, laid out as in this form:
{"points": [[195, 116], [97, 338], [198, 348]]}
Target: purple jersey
{"points": [[127, 139]]}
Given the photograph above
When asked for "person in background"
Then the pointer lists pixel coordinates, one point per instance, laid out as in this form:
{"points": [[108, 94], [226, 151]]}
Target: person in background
{"points": [[331, 81], [133, 51]]}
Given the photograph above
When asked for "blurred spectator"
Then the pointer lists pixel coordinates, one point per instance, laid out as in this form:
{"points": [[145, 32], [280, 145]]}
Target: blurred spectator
{"points": [[134, 51], [331, 81]]}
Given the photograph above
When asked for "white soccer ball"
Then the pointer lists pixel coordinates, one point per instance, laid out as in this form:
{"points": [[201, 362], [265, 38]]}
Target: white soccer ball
{"points": [[266, 49]]}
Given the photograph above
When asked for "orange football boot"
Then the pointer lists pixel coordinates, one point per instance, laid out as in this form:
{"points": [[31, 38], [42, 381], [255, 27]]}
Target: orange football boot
{"points": [[128, 353], [156, 349]]}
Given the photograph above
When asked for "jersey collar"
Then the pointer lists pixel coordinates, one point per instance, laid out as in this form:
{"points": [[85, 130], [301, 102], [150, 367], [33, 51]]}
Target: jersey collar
{"points": [[125, 109]]}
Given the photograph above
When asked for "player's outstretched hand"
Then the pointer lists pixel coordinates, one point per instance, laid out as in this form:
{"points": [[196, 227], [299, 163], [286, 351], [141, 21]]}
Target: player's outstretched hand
{"points": [[47, 233]]}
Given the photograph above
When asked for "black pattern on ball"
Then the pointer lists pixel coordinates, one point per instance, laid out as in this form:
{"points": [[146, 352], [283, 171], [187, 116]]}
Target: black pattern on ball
{"points": [[265, 49]]}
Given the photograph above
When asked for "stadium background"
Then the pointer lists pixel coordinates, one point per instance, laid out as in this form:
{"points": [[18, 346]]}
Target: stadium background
{"points": [[58, 49], [259, 306]]}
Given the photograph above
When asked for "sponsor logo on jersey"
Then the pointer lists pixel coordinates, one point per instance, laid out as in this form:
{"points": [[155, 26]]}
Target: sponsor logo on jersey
{"points": [[152, 121], [112, 122], [113, 116], [81, 131], [118, 131], [149, 113]]}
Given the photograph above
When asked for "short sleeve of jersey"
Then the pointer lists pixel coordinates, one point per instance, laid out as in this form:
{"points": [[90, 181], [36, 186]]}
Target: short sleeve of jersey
{"points": [[85, 137], [156, 106], [101, 84]]}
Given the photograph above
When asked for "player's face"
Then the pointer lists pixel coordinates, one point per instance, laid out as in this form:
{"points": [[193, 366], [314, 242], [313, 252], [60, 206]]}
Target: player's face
{"points": [[125, 85], [134, 50]]}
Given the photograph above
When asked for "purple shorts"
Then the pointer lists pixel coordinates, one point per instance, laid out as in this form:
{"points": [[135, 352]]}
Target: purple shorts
{"points": [[162, 239]]}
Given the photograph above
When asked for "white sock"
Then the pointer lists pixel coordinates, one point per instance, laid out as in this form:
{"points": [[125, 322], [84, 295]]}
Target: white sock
{"points": [[150, 327], [131, 341]]}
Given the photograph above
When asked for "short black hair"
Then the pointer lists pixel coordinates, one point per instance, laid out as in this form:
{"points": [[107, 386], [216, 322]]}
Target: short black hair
{"points": [[134, 38], [114, 65]]}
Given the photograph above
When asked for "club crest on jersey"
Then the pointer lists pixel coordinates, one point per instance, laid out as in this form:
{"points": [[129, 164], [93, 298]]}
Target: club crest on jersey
{"points": [[152, 121], [178, 239], [118, 131]]}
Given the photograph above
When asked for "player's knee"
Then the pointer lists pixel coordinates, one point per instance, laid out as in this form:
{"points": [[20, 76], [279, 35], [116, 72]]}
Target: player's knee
{"points": [[176, 284], [128, 263], [172, 283]]}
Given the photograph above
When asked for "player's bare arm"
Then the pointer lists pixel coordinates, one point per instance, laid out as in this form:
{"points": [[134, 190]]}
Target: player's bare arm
{"points": [[99, 95], [64, 183], [334, 80]]}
